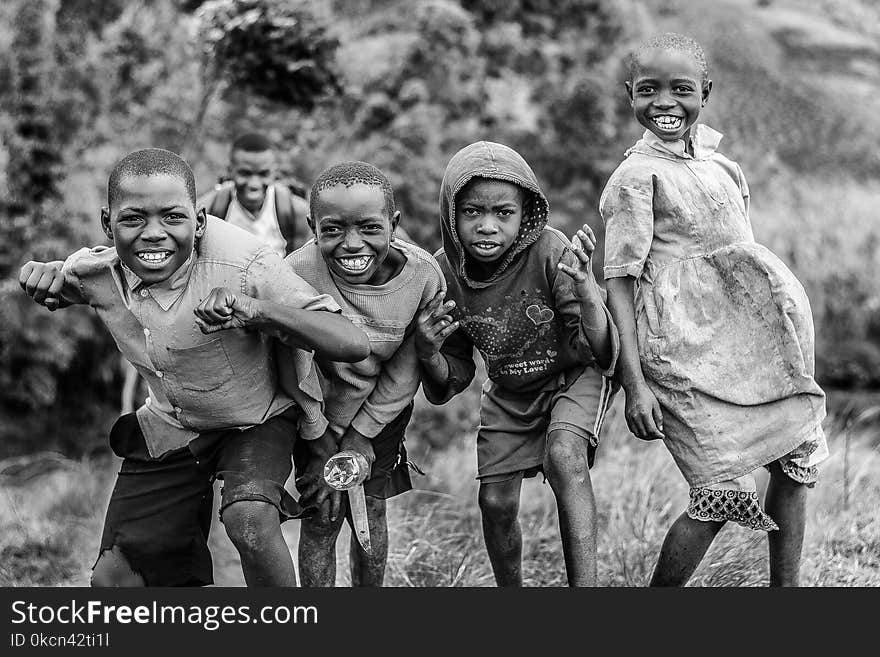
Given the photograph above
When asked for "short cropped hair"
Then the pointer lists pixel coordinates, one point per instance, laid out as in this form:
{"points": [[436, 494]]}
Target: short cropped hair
{"points": [[252, 142], [671, 41], [150, 162], [348, 174]]}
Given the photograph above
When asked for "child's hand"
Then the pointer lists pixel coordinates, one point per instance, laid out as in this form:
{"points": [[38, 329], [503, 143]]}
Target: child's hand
{"points": [[313, 490], [433, 326], [583, 243], [643, 415], [225, 309], [355, 441], [43, 282]]}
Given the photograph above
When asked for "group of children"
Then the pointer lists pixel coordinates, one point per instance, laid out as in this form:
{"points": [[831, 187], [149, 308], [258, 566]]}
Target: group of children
{"points": [[257, 363]]}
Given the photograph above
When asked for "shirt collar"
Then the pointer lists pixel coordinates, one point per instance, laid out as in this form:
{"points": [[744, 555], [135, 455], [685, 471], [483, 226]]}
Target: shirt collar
{"points": [[169, 290], [705, 141]]}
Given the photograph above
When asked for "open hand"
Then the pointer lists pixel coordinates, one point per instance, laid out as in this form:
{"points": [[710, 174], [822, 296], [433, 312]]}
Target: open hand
{"points": [[583, 244], [224, 309], [43, 282], [434, 325], [642, 411]]}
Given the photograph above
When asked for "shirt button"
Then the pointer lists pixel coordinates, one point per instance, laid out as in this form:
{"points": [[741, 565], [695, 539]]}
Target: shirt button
{"points": [[144, 293], [147, 332], [178, 410], [160, 374]]}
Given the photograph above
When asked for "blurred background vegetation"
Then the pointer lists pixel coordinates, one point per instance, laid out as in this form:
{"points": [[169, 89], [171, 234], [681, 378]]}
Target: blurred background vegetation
{"points": [[404, 85]]}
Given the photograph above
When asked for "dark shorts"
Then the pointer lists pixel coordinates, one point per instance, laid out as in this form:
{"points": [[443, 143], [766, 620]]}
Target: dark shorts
{"points": [[390, 473], [159, 514], [512, 437]]}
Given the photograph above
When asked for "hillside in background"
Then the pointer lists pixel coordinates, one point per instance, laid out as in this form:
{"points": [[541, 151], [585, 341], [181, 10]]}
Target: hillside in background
{"points": [[796, 87]]}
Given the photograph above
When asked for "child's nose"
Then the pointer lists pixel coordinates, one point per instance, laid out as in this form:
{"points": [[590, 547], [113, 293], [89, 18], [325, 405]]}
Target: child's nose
{"points": [[487, 227], [153, 232], [353, 241], [664, 100]]}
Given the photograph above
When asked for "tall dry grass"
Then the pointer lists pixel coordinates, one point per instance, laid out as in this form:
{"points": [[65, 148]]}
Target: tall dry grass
{"points": [[51, 515]]}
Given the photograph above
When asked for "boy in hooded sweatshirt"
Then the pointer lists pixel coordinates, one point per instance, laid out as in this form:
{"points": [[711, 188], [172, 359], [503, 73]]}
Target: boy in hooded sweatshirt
{"points": [[526, 298]]}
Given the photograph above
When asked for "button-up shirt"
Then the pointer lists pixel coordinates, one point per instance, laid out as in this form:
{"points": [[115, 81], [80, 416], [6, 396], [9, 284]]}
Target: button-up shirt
{"points": [[198, 382]]}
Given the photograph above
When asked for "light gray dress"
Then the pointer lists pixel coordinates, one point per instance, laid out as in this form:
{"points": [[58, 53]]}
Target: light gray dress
{"points": [[724, 329]]}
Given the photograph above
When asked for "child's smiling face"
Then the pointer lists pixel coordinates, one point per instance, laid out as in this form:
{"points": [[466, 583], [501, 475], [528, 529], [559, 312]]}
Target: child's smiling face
{"points": [[353, 231], [488, 214], [668, 92], [153, 224]]}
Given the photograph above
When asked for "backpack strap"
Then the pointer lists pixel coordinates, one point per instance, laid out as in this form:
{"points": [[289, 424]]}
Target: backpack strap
{"points": [[288, 218], [220, 203]]}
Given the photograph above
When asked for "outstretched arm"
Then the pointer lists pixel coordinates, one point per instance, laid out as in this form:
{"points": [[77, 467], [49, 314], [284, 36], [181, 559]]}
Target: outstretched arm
{"points": [[643, 415], [46, 284], [329, 334], [445, 356], [594, 320]]}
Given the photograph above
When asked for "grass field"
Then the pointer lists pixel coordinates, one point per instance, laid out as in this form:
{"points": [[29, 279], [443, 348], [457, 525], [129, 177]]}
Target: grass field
{"points": [[51, 510]]}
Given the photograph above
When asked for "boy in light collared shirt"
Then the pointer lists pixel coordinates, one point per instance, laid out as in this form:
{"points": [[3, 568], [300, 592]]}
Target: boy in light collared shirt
{"points": [[181, 294]]}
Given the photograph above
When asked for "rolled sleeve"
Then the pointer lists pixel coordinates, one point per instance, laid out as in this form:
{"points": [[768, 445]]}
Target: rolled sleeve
{"points": [[73, 290], [629, 229], [268, 277]]}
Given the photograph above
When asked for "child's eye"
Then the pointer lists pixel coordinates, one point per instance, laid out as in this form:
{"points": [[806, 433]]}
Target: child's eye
{"points": [[645, 90], [683, 89], [175, 217], [372, 228], [329, 231], [506, 212], [470, 212], [130, 220]]}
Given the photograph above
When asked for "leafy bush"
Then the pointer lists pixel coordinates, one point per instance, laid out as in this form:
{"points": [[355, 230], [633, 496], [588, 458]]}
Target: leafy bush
{"points": [[273, 48]]}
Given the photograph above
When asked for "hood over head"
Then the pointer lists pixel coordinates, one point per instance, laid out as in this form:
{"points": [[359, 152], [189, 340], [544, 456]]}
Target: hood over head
{"points": [[486, 159]]}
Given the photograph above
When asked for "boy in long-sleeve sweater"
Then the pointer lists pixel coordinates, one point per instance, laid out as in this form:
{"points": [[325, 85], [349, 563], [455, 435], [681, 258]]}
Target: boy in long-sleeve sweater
{"points": [[381, 283]]}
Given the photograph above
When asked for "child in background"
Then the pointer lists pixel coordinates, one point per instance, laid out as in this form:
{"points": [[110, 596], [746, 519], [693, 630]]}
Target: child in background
{"points": [[526, 298], [381, 283], [192, 303], [254, 199], [716, 333]]}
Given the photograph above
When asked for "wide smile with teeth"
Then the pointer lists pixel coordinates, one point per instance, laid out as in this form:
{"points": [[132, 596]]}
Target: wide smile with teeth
{"points": [[355, 265], [667, 122], [154, 257], [486, 248]]}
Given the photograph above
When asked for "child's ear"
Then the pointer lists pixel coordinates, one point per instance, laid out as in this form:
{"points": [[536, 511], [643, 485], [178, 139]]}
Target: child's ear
{"points": [[311, 223], [707, 87], [201, 222], [629, 90], [395, 219], [105, 222]]}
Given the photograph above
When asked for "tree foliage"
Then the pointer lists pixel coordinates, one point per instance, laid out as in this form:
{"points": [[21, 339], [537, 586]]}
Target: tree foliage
{"points": [[400, 84], [275, 49]]}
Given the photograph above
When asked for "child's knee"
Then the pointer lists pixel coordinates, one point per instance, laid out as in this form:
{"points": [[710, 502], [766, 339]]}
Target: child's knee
{"points": [[250, 524], [320, 525], [498, 502], [566, 458]]}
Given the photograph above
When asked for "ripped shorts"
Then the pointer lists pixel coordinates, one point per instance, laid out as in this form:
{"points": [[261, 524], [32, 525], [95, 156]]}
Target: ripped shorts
{"points": [[160, 509]]}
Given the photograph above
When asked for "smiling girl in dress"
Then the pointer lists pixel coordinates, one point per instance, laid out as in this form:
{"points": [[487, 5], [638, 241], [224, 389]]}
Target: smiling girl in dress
{"points": [[716, 335]]}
